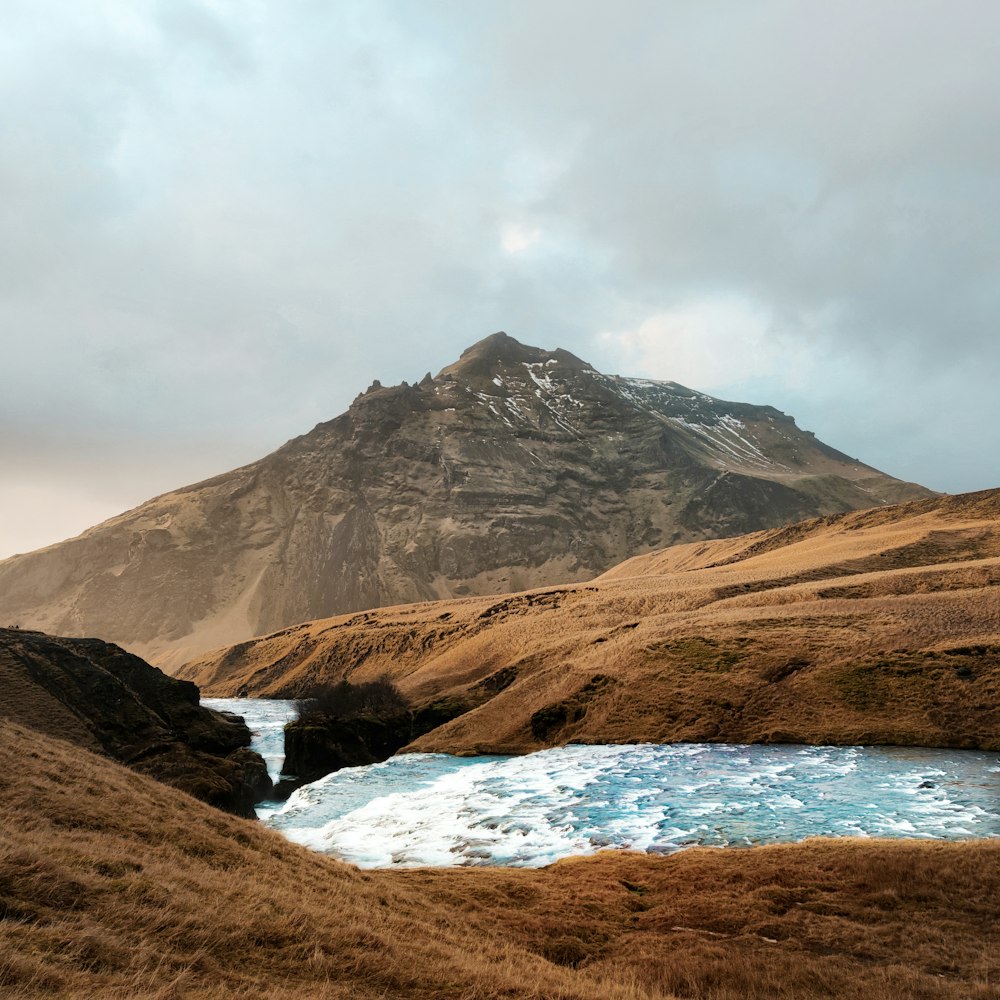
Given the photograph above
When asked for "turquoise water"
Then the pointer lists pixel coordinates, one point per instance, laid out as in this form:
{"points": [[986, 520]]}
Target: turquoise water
{"points": [[434, 809]]}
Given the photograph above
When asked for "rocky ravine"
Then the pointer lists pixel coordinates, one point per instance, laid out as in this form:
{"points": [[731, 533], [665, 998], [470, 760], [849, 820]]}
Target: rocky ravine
{"points": [[512, 468], [97, 696], [873, 627]]}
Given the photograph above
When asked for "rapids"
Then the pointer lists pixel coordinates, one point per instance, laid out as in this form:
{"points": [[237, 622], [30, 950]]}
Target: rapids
{"points": [[434, 809]]}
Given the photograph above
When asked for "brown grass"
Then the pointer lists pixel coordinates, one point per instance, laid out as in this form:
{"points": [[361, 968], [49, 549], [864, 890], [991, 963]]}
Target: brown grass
{"points": [[881, 626], [112, 885]]}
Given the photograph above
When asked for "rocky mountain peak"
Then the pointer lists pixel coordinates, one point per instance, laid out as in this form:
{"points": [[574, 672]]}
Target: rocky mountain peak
{"points": [[487, 356], [514, 467]]}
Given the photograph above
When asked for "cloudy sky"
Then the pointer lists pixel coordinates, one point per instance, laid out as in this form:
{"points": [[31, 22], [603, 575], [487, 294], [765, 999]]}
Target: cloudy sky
{"points": [[221, 219]]}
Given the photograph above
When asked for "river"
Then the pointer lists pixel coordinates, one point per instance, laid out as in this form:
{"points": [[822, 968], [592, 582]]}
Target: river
{"points": [[435, 809]]}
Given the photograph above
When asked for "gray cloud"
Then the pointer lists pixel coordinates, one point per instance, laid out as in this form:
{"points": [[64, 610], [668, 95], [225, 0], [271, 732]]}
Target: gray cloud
{"points": [[220, 221]]}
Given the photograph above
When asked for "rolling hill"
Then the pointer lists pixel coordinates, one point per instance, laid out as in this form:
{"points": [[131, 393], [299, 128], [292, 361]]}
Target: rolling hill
{"points": [[879, 626]]}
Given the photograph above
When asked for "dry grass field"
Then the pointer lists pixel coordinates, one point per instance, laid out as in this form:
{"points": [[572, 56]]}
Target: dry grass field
{"points": [[113, 885], [880, 626]]}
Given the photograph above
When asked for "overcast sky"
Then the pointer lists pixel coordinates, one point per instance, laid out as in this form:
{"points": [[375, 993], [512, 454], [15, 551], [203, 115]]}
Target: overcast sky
{"points": [[219, 221]]}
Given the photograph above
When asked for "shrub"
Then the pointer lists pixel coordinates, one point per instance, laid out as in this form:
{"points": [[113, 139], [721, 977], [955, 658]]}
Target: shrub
{"points": [[342, 700]]}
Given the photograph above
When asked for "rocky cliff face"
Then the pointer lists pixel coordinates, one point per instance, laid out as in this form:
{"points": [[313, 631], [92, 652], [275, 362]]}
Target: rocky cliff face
{"points": [[99, 697], [513, 468]]}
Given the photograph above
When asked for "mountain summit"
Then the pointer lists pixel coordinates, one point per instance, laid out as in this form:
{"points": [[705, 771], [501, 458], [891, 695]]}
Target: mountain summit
{"points": [[514, 467]]}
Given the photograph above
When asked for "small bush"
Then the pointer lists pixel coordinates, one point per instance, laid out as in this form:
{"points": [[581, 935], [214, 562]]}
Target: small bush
{"points": [[378, 699]]}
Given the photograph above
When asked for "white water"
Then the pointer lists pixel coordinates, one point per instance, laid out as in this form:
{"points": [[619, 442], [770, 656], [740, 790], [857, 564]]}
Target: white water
{"points": [[266, 718], [433, 809]]}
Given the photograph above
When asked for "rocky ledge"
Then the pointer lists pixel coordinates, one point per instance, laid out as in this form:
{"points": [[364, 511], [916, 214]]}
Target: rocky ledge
{"points": [[354, 724], [97, 696]]}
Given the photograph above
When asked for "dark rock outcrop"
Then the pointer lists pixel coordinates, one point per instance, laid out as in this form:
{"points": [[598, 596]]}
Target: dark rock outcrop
{"points": [[315, 747], [98, 696], [511, 469]]}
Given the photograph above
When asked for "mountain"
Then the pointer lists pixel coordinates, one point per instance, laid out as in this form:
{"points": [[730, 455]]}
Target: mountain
{"points": [[512, 468], [872, 627], [100, 698]]}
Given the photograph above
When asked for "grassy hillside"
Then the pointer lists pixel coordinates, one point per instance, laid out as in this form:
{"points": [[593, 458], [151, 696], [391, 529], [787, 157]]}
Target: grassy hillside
{"points": [[99, 697], [113, 885], [880, 626]]}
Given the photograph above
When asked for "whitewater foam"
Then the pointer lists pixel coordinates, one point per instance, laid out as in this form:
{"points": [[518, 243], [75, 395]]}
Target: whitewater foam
{"points": [[432, 809], [265, 718]]}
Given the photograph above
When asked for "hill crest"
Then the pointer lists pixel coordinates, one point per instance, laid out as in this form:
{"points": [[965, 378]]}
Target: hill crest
{"points": [[871, 627]]}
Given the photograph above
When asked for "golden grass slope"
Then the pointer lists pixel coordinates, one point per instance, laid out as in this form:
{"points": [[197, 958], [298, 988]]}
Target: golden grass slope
{"points": [[99, 697], [879, 626], [113, 885]]}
